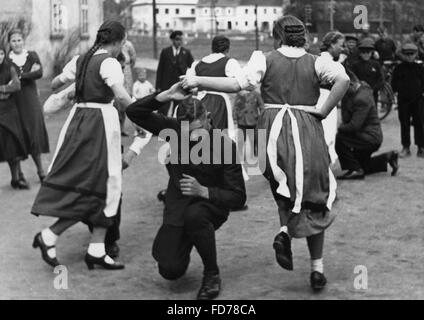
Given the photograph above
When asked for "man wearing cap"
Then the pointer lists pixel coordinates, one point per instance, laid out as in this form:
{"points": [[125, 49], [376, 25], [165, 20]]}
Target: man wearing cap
{"points": [[367, 69], [351, 43], [173, 63], [408, 82], [416, 38]]}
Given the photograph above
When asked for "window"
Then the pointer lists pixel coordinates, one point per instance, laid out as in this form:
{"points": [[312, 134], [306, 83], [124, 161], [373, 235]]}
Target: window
{"points": [[229, 11], [166, 11], [205, 11], [265, 11], [217, 11], [157, 11], [84, 18], [193, 11], [177, 11], [275, 11], [167, 25], [246, 11], [57, 27], [246, 23]]}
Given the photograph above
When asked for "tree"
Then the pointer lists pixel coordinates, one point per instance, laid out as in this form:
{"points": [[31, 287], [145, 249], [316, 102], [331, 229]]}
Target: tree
{"points": [[119, 10]]}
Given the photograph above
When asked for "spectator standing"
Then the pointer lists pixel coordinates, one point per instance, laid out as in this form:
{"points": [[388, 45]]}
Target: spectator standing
{"points": [[28, 101], [408, 82], [385, 46], [173, 63]]}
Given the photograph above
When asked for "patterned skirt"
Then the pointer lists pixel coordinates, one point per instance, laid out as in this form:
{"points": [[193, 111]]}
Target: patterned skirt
{"points": [[84, 179], [298, 168]]}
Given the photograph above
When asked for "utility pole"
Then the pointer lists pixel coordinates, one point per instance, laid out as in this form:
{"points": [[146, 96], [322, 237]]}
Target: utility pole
{"points": [[331, 6], [381, 13], [213, 23], [155, 32], [256, 27]]}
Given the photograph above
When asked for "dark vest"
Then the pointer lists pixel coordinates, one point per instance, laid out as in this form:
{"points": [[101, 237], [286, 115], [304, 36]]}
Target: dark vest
{"points": [[290, 80], [95, 89], [214, 69]]}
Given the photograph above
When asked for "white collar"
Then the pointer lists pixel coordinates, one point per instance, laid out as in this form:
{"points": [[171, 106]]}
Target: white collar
{"points": [[327, 55], [213, 57], [292, 52], [100, 51], [19, 59]]}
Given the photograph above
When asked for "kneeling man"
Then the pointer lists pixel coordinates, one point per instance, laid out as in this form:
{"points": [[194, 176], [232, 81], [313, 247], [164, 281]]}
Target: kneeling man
{"points": [[200, 194]]}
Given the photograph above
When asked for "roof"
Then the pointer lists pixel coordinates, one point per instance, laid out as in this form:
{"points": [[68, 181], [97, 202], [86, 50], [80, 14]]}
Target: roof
{"points": [[236, 3]]}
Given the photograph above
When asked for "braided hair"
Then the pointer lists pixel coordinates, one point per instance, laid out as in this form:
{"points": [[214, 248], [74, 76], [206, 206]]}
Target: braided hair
{"points": [[109, 32], [220, 44], [290, 31], [190, 110]]}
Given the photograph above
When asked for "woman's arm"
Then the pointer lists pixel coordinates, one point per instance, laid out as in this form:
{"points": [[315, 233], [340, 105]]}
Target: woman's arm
{"points": [[341, 84], [38, 70], [14, 85], [221, 84], [122, 97]]}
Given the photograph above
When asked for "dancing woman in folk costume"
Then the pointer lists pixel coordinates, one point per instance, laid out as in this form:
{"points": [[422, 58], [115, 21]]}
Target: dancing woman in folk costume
{"points": [[298, 163], [84, 179]]}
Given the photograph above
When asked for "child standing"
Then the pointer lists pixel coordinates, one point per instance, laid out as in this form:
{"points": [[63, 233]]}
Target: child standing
{"points": [[408, 82], [298, 163], [248, 106], [142, 87]]}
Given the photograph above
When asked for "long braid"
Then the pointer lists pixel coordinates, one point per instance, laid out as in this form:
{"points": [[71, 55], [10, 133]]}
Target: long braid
{"points": [[83, 71]]}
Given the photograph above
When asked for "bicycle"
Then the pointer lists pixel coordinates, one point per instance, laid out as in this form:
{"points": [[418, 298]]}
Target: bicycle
{"points": [[386, 97]]}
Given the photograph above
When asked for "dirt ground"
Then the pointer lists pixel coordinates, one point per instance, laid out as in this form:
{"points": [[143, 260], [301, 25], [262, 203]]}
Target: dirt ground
{"points": [[380, 226]]}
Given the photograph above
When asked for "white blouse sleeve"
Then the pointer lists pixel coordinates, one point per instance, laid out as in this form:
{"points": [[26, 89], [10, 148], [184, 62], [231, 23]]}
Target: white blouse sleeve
{"points": [[192, 71], [111, 72], [69, 71], [254, 71], [234, 70], [327, 71]]}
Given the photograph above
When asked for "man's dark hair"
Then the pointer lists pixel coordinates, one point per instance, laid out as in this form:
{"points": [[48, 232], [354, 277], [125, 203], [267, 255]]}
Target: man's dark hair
{"points": [[175, 34], [419, 28], [191, 109], [220, 44], [120, 57]]}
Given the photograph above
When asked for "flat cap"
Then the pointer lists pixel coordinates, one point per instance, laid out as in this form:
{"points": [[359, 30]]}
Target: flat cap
{"points": [[409, 47], [366, 43]]}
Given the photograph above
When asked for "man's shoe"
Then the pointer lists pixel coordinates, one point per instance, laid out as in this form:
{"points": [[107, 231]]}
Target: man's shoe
{"points": [[318, 281], [353, 175], [112, 250], [211, 287], [406, 152], [283, 253], [162, 196], [394, 162], [420, 152]]}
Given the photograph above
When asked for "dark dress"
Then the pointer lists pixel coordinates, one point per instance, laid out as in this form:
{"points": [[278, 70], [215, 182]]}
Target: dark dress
{"points": [[84, 179], [12, 145], [30, 109]]}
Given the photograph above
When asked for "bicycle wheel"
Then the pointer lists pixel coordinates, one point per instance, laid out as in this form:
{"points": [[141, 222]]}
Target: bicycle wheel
{"points": [[385, 101]]}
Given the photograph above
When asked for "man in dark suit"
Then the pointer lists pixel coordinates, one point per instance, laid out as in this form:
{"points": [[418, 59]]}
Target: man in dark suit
{"points": [[360, 134], [173, 63], [200, 194]]}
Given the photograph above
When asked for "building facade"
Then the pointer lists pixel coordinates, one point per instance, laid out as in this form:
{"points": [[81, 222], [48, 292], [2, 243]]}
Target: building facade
{"points": [[192, 16], [50, 22], [171, 15]]}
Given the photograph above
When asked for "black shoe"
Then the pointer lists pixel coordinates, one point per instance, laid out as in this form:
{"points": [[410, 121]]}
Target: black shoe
{"points": [[353, 175], [420, 152], [162, 196], [394, 162], [245, 208], [211, 287], [318, 281], [93, 261], [39, 243], [20, 184], [112, 250], [283, 253]]}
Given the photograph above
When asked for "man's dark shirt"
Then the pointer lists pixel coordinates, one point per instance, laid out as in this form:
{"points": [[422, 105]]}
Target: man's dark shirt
{"points": [[408, 82], [370, 72], [170, 68], [360, 118], [386, 49], [225, 181]]}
